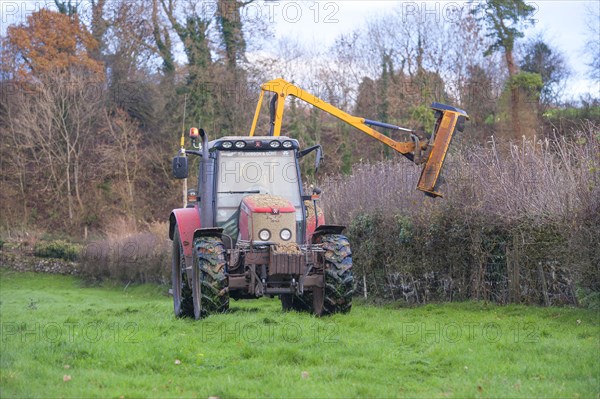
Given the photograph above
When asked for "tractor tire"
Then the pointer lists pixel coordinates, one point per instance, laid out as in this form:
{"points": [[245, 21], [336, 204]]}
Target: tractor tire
{"points": [[183, 305], [339, 282], [210, 284]]}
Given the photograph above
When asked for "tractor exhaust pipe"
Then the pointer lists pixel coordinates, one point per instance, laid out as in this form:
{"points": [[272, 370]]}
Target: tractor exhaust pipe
{"points": [[206, 186]]}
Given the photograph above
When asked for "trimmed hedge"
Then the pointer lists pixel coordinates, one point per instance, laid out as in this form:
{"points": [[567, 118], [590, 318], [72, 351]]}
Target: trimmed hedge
{"points": [[57, 249], [518, 223], [459, 257]]}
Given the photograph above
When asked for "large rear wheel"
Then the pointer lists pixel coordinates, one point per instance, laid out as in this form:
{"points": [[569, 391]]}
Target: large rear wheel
{"points": [[210, 285], [182, 293]]}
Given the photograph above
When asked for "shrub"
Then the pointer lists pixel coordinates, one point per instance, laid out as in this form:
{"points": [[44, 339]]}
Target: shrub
{"points": [[57, 249], [589, 299], [517, 224], [140, 258]]}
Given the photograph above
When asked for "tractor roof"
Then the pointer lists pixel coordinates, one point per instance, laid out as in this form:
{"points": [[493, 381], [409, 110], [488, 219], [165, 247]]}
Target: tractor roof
{"points": [[254, 143]]}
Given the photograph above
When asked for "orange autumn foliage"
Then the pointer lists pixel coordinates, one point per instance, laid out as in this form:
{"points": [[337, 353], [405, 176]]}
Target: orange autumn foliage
{"points": [[50, 41]]}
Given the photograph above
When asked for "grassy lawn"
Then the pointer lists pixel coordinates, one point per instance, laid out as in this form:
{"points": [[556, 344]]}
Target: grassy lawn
{"points": [[60, 339]]}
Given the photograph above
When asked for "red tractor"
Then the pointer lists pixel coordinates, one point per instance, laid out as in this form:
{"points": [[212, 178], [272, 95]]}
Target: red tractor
{"points": [[251, 231]]}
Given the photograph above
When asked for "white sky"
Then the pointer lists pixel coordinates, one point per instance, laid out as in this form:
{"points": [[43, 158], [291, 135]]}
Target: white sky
{"points": [[561, 22], [316, 24]]}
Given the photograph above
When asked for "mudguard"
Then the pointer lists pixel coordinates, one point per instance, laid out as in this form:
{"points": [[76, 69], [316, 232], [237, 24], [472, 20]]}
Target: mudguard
{"points": [[187, 221], [311, 220], [326, 229]]}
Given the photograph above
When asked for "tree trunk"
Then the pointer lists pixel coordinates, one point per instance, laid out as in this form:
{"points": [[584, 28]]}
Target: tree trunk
{"points": [[68, 179], [163, 46], [230, 22], [76, 182], [514, 95], [99, 28], [130, 189]]}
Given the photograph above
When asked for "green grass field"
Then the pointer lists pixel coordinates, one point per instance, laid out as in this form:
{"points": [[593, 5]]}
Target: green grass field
{"points": [[60, 339]]}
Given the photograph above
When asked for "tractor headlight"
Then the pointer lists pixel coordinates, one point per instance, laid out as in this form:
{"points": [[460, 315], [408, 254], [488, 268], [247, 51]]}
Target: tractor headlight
{"points": [[275, 144], [227, 144], [264, 235], [240, 144], [285, 234], [287, 144]]}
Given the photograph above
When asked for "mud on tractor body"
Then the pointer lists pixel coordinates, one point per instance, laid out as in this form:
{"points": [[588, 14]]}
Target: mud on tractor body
{"points": [[252, 232]]}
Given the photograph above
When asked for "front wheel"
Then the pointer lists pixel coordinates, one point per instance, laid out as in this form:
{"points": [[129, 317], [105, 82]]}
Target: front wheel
{"points": [[210, 285], [336, 296], [182, 293]]}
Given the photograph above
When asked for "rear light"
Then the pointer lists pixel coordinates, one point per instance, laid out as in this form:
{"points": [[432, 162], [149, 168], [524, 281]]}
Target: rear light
{"points": [[227, 144], [275, 144]]}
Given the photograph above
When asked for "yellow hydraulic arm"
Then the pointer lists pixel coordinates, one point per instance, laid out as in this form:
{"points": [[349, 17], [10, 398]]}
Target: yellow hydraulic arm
{"points": [[420, 150]]}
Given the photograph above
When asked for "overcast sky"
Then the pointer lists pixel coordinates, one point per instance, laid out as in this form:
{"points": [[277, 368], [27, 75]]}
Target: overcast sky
{"points": [[562, 23], [316, 24]]}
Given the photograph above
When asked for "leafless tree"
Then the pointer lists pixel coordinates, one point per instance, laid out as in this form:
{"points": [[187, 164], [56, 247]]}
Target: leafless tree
{"points": [[592, 46], [122, 155], [53, 126]]}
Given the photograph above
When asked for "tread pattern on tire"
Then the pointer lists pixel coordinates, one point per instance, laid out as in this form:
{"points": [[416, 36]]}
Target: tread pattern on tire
{"points": [[210, 259], [339, 282], [186, 307]]}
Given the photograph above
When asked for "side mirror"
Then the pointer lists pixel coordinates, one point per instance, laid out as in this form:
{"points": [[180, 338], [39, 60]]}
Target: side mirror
{"points": [[180, 167], [318, 158], [319, 154]]}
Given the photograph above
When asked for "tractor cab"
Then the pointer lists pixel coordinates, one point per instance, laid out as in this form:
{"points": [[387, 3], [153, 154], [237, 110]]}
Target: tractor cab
{"points": [[251, 188], [258, 175]]}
